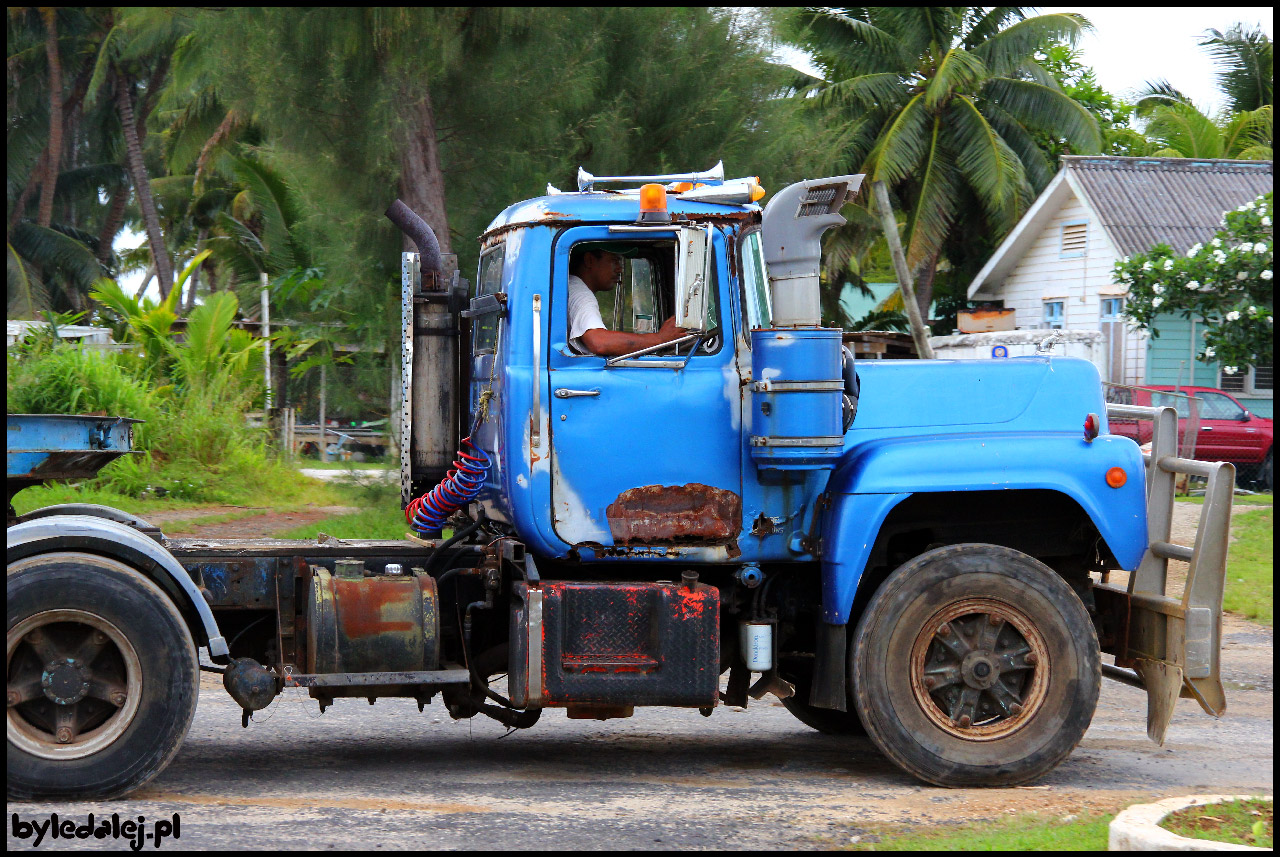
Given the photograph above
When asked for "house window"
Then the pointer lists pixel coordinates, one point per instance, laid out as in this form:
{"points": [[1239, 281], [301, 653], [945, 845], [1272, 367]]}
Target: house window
{"points": [[1053, 318], [1075, 239], [1112, 309], [1256, 381]]}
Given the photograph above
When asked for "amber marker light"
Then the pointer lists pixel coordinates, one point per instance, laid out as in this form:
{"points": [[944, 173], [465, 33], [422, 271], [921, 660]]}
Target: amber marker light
{"points": [[1116, 477], [757, 192], [653, 204]]}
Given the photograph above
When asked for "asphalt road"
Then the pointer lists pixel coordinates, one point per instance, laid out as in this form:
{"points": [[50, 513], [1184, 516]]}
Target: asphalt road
{"points": [[389, 777]]}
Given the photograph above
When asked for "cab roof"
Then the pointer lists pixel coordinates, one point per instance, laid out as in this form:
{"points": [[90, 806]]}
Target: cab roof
{"points": [[605, 207]]}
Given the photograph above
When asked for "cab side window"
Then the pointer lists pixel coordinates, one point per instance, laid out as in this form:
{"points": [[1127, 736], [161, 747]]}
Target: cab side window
{"points": [[484, 328], [755, 285]]}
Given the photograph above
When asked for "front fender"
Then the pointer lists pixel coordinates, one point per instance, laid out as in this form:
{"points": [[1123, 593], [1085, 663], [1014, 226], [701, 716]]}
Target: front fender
{"points": [[879, 474], [101, 535]]}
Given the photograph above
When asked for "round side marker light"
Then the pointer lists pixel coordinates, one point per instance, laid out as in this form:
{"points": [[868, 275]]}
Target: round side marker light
{"points": [[1092, 425], [1116, 477]]}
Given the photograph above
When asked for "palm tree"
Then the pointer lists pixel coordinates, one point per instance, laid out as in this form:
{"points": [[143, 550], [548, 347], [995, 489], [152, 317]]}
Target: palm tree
{"points": [[942, 104], [1176, 128], [1244, 62]]}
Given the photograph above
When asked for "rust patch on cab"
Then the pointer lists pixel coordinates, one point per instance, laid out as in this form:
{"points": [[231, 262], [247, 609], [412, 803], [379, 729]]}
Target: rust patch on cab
{"points": [[675, 514]]}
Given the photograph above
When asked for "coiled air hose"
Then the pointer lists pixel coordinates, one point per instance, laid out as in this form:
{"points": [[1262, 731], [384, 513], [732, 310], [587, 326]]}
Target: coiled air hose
{"points": [[459, 487]]}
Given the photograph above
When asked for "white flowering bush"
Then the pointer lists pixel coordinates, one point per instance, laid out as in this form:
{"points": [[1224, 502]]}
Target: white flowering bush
{"points": [[1228, 283]]}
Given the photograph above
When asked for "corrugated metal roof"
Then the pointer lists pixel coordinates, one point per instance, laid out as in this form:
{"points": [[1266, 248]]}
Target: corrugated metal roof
{"points": [[1176, 201]]}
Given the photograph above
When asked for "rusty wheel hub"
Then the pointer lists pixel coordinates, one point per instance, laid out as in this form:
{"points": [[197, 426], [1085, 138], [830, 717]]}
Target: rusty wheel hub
{"points": [[979, 669], [74, 684]]}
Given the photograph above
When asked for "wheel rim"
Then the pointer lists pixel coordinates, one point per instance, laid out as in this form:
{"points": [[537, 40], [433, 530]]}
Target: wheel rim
{"points": [[980, 669], [74, 684]]}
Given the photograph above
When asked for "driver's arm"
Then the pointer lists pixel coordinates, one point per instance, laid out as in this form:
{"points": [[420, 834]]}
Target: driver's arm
{"points": [[613, 343]]}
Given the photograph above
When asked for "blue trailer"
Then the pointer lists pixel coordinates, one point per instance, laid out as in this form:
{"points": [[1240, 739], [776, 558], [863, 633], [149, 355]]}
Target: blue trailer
{"points": [[706, 504]]}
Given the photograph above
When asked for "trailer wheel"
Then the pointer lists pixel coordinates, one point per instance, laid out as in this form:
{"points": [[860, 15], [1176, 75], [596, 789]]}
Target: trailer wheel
{"points": [[976, 665], [102, 677]]}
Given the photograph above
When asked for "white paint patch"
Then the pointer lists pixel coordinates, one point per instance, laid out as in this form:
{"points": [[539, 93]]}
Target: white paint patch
{"points": [[768, 374], [732, 392], [571, 518], [521, 481]]}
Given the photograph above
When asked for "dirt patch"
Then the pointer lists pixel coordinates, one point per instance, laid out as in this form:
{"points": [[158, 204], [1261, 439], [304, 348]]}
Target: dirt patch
{"points": [[255, 526]]}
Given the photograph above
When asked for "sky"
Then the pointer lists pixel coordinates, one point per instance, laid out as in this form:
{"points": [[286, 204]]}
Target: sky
{"points": [[1129, 46]]}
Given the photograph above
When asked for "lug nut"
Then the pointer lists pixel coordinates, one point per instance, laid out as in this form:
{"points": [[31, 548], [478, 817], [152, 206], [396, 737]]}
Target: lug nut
{"points": [[1015, 709], [14, 698], [944, 630], [64, 735], [929, 682], [965, 722], [118, 698], [994, 619], [99, 638], [1031, 659]]}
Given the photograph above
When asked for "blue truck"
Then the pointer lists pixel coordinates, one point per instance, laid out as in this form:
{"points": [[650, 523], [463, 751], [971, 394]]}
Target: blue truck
{"points": [[918, 551]]}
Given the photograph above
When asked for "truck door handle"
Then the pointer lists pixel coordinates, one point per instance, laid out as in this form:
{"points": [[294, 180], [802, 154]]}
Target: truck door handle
{"points": [[562, 393], [1206, 428]]}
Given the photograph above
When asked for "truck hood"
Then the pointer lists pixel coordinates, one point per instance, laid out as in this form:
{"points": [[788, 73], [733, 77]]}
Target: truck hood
{"points": [[911, 397]]}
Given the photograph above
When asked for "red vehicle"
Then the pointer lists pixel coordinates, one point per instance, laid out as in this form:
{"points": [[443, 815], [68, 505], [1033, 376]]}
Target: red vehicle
{"points": [[1227, 432]]}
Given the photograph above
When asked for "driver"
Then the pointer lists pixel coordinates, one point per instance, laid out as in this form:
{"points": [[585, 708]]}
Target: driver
{"points": [[592, 270]]}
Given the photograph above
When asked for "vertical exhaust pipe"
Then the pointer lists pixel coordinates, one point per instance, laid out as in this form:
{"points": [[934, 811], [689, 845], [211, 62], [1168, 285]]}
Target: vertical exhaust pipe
{"points": [[434, 395]]}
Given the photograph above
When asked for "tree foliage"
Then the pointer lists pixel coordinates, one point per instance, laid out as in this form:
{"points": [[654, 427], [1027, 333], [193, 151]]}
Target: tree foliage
{"points": [[1227, 283], [943, 104]]}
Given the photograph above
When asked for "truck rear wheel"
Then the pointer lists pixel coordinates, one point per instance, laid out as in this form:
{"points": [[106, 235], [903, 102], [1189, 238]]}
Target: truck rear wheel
{"points": [[102, 677], [976, 665]]}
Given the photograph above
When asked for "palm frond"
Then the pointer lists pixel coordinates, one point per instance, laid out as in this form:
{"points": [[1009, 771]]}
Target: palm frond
{"points": [[1156, 93], [934, 208], [50, 250], [987, 163], [27, 295], [959, 70], [1045, 109], [1034, 161], [868, 90], [1183, 128], [1004, 51], [851, 45], [1248, 130], [86, 182], [901, 145], [989, 23], [882, 319], [1245, 65]]}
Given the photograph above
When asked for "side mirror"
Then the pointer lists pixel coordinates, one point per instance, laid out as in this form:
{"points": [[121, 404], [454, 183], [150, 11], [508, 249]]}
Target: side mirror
{"points": [[693, 277], [1245, 417]]}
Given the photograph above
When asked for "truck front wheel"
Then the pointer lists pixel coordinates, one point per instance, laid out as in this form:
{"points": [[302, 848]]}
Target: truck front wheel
{"points": [[102, 677], [976, 665]]}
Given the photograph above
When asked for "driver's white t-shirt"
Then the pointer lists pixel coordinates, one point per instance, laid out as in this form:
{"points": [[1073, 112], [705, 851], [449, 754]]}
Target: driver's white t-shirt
{"points": [[584, 313]]}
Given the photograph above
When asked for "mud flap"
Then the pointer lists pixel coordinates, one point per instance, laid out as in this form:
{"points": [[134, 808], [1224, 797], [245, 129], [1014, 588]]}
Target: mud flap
{"points": [[1172, 644]]}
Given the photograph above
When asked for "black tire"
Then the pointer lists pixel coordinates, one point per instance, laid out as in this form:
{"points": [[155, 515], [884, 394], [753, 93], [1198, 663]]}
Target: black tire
{"points": [[1265, 470], [828, 721], [125, 678], [976, 665]]}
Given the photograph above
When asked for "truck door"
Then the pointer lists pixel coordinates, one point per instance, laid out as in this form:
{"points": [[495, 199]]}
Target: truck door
{"points": [[645, 452]]}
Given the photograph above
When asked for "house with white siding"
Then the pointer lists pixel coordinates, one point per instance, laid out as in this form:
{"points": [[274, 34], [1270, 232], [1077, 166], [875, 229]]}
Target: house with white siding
{"points": [[1056, 268]]}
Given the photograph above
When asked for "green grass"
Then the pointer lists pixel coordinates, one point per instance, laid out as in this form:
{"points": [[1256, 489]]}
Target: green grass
{"points": [[1023, 833], [1238, 500], [381, 522], [288, 492], [1241, 822], [1251, 567]]}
